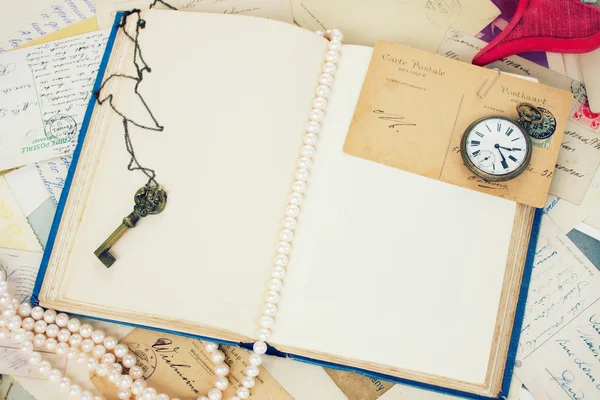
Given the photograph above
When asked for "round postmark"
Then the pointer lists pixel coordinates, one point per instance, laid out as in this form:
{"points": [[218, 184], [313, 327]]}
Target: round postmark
{"points": [[146, 357], [579, 92], [443, 13], [60, 127], [543, 129]]}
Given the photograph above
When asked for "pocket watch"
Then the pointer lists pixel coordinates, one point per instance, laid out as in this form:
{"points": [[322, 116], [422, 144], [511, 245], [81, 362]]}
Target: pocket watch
{"points": [[497, 148]]}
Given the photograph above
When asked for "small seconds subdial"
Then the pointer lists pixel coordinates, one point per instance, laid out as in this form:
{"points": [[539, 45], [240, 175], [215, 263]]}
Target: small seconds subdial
{"points": [[496, 148]]}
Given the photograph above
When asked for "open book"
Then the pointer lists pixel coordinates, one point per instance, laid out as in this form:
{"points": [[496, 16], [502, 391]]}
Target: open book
{"points": [[394, 274]]}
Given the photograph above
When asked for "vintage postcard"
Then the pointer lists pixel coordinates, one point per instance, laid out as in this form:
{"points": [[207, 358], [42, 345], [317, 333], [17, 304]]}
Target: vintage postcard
{"points": [[415, 106]]}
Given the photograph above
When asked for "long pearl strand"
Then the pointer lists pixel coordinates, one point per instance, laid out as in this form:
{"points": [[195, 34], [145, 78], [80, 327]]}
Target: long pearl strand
{"points": [[292, 210], [37, 329]]}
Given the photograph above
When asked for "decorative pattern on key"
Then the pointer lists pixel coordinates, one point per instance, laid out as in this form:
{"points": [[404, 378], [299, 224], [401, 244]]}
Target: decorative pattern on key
{"points": [[148, 200]]}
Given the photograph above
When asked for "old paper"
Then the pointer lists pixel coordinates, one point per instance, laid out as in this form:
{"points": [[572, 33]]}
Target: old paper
{"points": [[36, 18], [590, 67], [559, 344], [568, 181], [15, 232], [359, 387], [20, 270], [416, 23], [106, 10], [53, 174], [404, 88], [14, 362], [182, 368], [44, 92]]}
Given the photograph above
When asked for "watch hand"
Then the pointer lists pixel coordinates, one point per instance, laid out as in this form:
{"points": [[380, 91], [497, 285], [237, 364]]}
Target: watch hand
{"points": [[508, 148], [504, 163]]}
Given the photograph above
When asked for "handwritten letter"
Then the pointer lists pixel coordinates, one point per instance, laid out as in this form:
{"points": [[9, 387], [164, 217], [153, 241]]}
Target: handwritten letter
{"points": [[559, 348], [44, 92]]}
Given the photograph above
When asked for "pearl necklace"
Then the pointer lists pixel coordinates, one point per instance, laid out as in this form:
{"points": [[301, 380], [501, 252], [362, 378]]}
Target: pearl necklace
{"points": [[35, 328]]}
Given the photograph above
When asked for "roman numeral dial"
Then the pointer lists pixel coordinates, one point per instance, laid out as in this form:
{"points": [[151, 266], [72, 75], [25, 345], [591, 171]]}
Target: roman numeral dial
{"points": [[496, 148]]}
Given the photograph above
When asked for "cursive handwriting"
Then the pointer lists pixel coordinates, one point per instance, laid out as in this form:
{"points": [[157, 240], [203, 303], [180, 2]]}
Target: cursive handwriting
{"points": [[167, 352], [6, 69], [565, 380], [397, 119]]}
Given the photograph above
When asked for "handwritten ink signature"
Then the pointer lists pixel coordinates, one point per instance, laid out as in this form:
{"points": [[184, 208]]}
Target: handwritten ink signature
{"points": [[398, 119], [565, 381], [6, 69]]}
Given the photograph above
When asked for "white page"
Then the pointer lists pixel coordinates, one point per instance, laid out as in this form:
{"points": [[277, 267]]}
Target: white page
{"points": [[234, 112], [388, 266]]}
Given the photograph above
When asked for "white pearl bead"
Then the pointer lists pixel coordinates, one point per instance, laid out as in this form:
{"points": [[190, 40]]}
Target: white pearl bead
{"points": [[129, 360], [27, 347], [24, 310], [51, 344], [221, 369], [125, 382], [44, 367], [82, 358], [28, 323], [284, 248], [9, 311], [98, 336], [124, 394], [136, 372], [204, 398], [37, 313], [323, 91], [29, 336], [311, 139], [62, 320], [162, 396], [302, 174], [138, 386], [272, 297], [86, 395], [39, 327], [255, 359], [50, 316], [305, 163], [281, 260], [243, 392], [336, 34], [85, 330], [286, 235], [14, 322], [270, 309], [252, 370], [35, 358], [215, 394], [307, 151], [114, 376], [266, 321], [64, 383], [278, 273], [117, 367], [332, 56], [259, 347], [52, 330], [248, 381], [320, 103], [275, 285], [289, 223], [335, 45], [98, 351], [295, 199], [329, 68], [109, 358], [234, 398], [218, 357], [210, 346], [39, 340], [62, 349], [18, 335], [121, 350], [102, 369], [63, 335], [150, 393], [263, 334], [316, 115], [73, 353], [110, 342], [314, 126], [87, 345], [299, 186], [74, 390], [92, 363], [221, 383], [73, 325], [75, 340], [327, 80], [54, 375]]}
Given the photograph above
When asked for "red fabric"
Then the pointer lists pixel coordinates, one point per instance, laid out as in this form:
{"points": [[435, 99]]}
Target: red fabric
{"points": [[558, 26]]}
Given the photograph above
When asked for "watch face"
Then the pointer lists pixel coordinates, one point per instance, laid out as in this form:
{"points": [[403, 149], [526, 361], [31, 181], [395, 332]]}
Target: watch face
{"points": [[496, 148]]}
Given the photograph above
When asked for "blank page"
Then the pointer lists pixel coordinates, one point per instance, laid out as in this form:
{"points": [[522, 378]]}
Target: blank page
{"points": [[390, 267], [234, 111]]}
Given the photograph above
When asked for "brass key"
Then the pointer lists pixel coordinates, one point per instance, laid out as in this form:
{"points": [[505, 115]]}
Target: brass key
{"points": [[149, 200]]}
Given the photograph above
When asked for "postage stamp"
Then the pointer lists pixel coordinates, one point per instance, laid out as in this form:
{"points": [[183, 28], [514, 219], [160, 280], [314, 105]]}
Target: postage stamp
{"points": [[541, 132], [583, 115], [443, 12]]}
